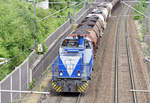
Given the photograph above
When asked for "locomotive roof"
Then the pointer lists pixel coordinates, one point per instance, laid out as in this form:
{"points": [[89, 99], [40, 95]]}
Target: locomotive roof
{"points": [[79, 32]]}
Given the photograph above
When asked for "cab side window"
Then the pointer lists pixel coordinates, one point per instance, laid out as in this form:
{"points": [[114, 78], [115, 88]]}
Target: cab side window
{"points": [[87, 45]]}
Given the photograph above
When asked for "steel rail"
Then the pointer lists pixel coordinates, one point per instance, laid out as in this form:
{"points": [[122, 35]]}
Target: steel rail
{"points": [[78, 98], [129, 60], [116, 63], [59, 99]]}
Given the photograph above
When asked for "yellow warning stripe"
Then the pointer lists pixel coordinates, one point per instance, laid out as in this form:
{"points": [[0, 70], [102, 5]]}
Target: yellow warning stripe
{"points": [[53, 83], [81, 89], [85, 85], [58, 88]]}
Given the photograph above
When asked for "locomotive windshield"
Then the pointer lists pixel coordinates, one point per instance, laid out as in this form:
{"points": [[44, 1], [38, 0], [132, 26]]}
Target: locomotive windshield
{"points": [[87, 44], [70, 43], [74, 43]]}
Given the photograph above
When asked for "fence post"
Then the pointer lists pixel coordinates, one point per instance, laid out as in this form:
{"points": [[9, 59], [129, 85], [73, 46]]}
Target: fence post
{"points": [[11, 89], [28, 75], [0, 94], [20, 81]]}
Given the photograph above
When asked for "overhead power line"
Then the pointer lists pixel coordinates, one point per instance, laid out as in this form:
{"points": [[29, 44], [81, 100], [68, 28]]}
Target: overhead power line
{"points": [[58, 12], [57, 16], [58, 2], [137, 1], [135, 9], [4, 61], [54, 13]]}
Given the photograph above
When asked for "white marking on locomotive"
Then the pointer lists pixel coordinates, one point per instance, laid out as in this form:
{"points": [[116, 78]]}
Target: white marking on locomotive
{"points": [[105, 11], [70, 63]]}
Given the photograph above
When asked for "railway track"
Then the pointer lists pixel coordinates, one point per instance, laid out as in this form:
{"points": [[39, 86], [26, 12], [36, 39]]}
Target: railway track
{"points": [[123, 63], [103, 89], [79, 98], [68, 99]]}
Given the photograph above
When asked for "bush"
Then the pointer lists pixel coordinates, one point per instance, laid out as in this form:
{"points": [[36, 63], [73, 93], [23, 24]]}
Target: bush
{"points": [[140, 7], [32, 84]]}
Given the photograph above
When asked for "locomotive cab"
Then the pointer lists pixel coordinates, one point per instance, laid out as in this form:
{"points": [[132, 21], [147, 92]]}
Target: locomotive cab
{"points": [[73, 66]]}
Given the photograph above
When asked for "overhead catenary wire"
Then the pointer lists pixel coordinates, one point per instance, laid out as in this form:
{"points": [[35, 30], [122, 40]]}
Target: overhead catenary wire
{"points": [[58, 2], [3, 59], [135, 9], [54, 13], [10, 59], [4, 62], [58, 16], [58, 12], [136, 1]]}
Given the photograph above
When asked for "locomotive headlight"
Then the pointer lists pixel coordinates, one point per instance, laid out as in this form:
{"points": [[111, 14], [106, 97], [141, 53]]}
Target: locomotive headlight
{"points": [[79, 73], [60, 73]]}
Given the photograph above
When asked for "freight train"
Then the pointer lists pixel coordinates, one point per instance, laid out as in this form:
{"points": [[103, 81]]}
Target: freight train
{"points": [[71, 71]]}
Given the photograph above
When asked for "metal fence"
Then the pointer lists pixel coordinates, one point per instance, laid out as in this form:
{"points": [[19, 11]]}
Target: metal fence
{"points": [[34, 66], [17, 80]]}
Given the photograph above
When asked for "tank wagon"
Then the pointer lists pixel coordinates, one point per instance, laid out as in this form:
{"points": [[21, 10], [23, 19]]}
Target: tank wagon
{"points": [[71, 70]]}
